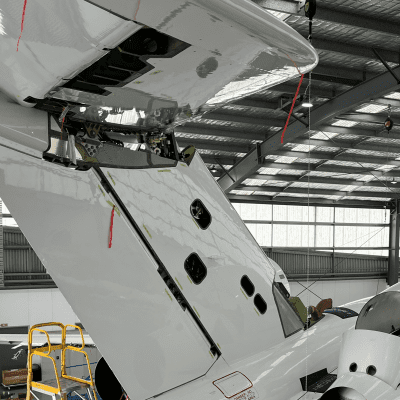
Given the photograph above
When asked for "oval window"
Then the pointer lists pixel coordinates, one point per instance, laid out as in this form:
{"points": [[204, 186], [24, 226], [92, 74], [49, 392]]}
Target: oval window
{"points": [[260, 303], [195, 268], [247, 285], [200, 214]]}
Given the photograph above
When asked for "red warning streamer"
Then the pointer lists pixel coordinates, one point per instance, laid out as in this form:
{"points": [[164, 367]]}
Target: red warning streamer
{"points": [[22, 22], [291, 110], [111, 228]]}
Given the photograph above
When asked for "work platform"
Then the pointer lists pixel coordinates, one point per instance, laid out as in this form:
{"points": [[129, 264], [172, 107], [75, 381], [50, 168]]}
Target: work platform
{"points": [[62, 384]]}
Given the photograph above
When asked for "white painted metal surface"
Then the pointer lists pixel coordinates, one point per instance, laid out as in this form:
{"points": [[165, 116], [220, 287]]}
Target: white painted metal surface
{"points": [[159, 200], [28, 129], [249, 48], [370, 348], [59, 38], [147, 339]]}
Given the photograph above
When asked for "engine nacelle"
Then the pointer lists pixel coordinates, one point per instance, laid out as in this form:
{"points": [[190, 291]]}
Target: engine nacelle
{"points": [[369, 361]]}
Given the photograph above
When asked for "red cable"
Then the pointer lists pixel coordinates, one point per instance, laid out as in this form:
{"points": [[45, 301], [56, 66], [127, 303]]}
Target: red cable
{"points": [[111, 228], [291, 110], [22, 23]]}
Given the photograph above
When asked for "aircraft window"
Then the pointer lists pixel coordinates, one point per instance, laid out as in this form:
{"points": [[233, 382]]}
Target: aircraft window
{"points": [[291, 323], [260, 303], [247, 285], [200, 214], [195, 268]]}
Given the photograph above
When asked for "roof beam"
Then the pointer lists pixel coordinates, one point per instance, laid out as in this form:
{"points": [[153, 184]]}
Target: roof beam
{"points": [[324, 192], [208, 131], [341, 144], [248, 102], [242, 119], [217, 159], [354, 50], [320, 155], [333, 15], [378, 86], [291, 89], [378, 118], [331, 168], [259, 199], [327, 181], [351, 157], [215, 145]]}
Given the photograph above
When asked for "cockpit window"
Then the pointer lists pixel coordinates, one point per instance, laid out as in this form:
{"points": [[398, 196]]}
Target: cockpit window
{"points": [[247, 285], [291, 323], [260, 304]]}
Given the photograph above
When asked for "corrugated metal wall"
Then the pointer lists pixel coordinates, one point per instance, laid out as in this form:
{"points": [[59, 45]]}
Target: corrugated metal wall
{"points": [[22, 267], [21, 264], [321, 263]]}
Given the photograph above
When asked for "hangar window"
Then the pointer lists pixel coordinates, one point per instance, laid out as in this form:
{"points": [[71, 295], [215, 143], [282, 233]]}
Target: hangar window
{"points": [[260, 304], [195, 268], [247, 285], [200, 214]]}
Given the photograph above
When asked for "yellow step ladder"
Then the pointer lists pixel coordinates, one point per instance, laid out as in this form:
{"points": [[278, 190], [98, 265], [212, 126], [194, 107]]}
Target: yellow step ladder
{"points": [[63, 384]]}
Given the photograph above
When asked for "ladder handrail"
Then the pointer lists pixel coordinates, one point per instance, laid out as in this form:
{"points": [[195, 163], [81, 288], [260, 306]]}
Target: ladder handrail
{"points": [[63, 347]]}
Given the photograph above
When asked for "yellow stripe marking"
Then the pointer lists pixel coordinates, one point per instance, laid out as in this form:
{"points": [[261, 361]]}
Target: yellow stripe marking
{"points": [[257, 312], [101, 190], [243, 293], [166, 291], [218, 345], [144, 226], [178, 283], [189, 279], [164, 170], [195, 223], [196, 311], [183, 165], [211, 354], [112, 180], [115, 207]]}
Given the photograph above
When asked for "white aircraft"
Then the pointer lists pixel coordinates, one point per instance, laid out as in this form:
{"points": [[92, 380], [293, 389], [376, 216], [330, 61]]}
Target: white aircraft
{"points": [[156, 263]]}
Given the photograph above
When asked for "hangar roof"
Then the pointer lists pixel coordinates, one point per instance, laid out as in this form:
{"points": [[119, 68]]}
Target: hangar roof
{"points": [[344, 156]]}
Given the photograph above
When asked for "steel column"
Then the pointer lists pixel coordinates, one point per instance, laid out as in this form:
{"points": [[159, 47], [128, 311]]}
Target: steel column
{"points": [[393, 267]]}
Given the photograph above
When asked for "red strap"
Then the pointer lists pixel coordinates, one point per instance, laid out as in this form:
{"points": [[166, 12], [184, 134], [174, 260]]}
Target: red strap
{"points": [[111, 228], [22, 23], [291, 110]]}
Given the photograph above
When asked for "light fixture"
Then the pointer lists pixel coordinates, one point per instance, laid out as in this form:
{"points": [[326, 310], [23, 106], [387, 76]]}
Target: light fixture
{"points": [[307, 104], [213, 169], [393, 182]]}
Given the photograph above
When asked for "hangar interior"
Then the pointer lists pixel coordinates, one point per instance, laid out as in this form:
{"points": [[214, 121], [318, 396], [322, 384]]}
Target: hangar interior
{"points": [[324, 205]]}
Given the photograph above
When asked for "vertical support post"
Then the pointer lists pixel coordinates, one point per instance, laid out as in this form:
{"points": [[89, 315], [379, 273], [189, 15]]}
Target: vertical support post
{"points": [[333, 240], [1, 246], [393, 267]]}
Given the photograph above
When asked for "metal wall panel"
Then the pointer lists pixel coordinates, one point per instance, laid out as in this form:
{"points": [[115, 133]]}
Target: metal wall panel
{"points": [[320, 263], [22, 266]]}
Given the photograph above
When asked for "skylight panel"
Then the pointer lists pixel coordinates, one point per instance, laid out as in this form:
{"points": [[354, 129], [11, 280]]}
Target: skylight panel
{"points": [[345, 123], [385, 167], [367, 178], [303, 148], [324, 135], [285, 160], [268, 171], [372, 108], [394, 95]]}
